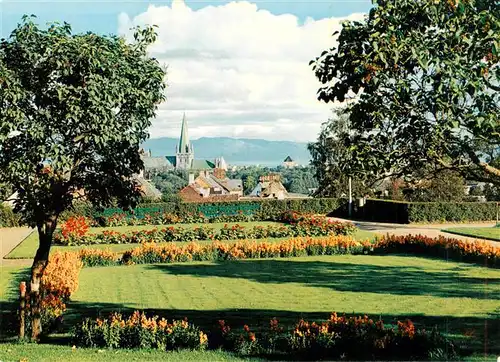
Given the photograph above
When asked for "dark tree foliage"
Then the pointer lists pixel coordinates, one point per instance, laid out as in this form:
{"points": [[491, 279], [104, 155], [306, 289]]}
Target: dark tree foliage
{"points": [[171, 182], [74, 109], [427, 78]]}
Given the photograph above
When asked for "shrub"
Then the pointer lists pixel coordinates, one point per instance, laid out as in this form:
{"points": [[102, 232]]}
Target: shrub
{"points": [[139, 331], [7, 217], [74, 228], [59, 282]]}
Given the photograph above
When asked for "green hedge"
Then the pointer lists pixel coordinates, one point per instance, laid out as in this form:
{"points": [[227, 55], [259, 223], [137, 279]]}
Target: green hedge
{"points": [[452, 211], [416, 212], [265, 209]]}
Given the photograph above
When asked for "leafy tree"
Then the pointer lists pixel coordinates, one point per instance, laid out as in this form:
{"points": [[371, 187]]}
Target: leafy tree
{"points": [[445, 186], [249, 183], [170, 182], [427, 78], [74, 109], [331, 158], [492, 192]]}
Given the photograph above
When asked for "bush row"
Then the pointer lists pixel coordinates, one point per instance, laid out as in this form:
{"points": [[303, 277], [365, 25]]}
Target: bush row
{"points": [[425, 212], [351, 338], [480, 252], [139, 331], [75, 232], [176, 211]]}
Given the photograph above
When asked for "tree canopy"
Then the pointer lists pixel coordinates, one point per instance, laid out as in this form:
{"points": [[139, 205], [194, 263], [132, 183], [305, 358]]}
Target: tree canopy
{"points": [[426, 76], [74, 109], [331, 158]]}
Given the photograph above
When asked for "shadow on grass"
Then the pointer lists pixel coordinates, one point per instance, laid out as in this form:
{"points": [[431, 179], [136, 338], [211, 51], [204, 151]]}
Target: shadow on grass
{"points": [[472, 334], [397, 280], [10, 306]]}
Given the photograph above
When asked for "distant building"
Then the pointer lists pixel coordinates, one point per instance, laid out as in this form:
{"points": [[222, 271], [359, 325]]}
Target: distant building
{"points": [[289, 162], [270, 186], [147, 188], [183, 159], [212, 186]]}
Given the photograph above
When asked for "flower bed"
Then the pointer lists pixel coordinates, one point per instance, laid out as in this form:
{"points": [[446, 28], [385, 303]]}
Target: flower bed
{"points": [[74, 232], [480, 252], [351, 338], [339, 338], [139, 331], [217, 251]]}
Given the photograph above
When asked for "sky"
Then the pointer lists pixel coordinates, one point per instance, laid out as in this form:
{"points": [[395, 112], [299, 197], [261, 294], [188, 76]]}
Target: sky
{"points": [[236, 68]]}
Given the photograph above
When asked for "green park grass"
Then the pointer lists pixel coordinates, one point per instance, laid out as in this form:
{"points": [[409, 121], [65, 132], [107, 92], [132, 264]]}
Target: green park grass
{"points": [[489, 233], [48, 353], [27, 248], [459, 299]]}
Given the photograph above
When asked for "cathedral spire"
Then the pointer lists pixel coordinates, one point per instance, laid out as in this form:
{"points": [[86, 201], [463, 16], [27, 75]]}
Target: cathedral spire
{"points": [[184, 140]]}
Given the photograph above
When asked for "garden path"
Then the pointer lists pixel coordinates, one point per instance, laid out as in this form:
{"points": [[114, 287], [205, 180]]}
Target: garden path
{"points": [[430, 230], [9, 239]]}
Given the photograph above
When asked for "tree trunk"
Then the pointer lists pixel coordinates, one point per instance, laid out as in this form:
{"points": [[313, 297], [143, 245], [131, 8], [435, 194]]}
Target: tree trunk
{"points": [[45, 233]]}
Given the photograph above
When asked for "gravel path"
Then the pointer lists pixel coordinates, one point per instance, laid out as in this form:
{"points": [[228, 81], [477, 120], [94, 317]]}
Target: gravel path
{"points": [[430, 230], [9, 239]]}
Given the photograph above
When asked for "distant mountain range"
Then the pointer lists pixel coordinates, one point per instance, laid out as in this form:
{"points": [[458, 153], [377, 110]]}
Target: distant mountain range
{"points": [[237, 151]]}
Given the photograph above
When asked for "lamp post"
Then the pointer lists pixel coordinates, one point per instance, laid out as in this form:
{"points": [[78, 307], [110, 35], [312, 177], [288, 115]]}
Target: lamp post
{"points": [[348, 99], [350, 197]]}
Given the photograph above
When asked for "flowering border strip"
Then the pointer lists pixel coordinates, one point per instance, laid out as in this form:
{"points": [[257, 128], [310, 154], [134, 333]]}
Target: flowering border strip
{"points": [[74, 231], [339, 337], [481, 252]]}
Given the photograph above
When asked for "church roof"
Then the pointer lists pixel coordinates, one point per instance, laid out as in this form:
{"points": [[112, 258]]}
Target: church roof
{"points": [[156, 163], [202, 165], [184, 140], [172, 160], [148, 189], [288, 159]]}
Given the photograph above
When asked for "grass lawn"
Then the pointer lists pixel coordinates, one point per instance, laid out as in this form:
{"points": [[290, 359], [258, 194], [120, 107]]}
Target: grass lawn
{"points": [[460, 299], [46, 352], [27, 248], [490, 233], [457, 298]]}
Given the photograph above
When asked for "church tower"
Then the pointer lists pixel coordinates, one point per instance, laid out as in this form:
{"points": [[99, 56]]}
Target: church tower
{"points": [[184, 153]]}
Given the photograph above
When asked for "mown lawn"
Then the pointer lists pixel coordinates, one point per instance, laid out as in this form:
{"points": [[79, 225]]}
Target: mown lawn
{"points": [[47, 352], [461, 300], [27, 248], [490, 233]]}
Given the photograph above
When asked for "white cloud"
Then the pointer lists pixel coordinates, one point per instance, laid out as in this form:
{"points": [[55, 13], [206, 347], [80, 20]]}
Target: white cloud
{"points": [[237, 70]]}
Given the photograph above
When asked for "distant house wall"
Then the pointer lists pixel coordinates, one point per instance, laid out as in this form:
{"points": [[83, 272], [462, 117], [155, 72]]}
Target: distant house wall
{"points": [[189, 194]]}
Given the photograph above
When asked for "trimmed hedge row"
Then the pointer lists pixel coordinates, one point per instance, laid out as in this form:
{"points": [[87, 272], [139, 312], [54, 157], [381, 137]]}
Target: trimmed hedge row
{"points": [[422, 212], [257, 210]]}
